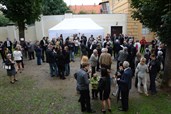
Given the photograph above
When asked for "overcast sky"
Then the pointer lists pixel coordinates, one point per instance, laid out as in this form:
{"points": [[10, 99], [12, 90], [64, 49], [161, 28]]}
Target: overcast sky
{"points": [[84, 2]]}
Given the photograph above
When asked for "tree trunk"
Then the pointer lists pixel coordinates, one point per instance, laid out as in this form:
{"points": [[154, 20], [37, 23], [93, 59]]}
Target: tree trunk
{"points": [[167, 68], [21, 28]]}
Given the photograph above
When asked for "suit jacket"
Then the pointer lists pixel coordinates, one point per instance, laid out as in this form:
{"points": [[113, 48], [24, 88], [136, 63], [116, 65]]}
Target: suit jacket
{"points": [[5, 44], [126, 80], [50, 56], [43, 44]]}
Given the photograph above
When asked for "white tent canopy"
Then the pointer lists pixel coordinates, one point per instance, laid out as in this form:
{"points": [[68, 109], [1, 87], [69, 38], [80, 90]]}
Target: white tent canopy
{"points": [[71, 26]]}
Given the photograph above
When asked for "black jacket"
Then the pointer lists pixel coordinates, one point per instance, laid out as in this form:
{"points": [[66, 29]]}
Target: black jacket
{"points": [[154, 67], [126, 80], [61, 59], [50, 56], [67, 57]]}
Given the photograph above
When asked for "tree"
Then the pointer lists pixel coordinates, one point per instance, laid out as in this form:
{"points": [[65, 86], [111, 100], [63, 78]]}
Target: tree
{"points": [[22, 12], [155, 14], [54, 7], [3, 20]]}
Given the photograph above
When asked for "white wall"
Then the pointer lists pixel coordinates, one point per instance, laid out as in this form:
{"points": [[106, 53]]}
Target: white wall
{"points": [[30, 33], [108, 20], [41, 28], [3, 33]]}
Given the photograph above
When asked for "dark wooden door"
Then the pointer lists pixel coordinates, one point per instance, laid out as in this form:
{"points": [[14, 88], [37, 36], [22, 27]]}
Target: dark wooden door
{"points": [[116, 30]]}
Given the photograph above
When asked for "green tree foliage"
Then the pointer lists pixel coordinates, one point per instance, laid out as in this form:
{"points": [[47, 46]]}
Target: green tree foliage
{"points": [[3, 20], [156, 15], [54, 7], [22, 12]]}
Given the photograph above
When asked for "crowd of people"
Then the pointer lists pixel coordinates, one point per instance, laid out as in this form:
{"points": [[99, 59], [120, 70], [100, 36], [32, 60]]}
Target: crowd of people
{"points": [[139, 59]]}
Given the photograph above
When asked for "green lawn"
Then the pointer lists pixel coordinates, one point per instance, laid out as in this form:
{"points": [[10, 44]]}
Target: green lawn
{"points": [[24, 98]]}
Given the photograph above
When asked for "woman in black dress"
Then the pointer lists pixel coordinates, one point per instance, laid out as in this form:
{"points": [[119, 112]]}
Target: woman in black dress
{"points": [[9, 64], [104, 89], [61, 63]]}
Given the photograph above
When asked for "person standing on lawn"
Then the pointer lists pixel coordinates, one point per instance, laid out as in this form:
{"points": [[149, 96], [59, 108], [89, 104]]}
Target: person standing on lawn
{"points": [[9, 63], [94, 85], [154, 68], [125, 85], [93, 61], [104, 89], [83, 87]]}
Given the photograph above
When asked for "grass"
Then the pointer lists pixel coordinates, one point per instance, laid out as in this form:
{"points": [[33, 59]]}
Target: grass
{"points": [[24, 98]]}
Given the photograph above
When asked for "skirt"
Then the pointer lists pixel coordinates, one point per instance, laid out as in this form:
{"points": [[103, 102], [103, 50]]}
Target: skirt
{"points": [[104, 95], [11, 72]]}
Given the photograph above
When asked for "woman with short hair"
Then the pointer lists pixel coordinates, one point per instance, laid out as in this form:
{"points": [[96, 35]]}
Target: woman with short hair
{"points": [[93, 61], [9, 64], [141, 71]]}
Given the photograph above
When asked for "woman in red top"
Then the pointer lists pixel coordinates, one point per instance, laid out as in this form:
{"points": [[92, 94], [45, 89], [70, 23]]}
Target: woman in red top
{"points": [[143, 43]]}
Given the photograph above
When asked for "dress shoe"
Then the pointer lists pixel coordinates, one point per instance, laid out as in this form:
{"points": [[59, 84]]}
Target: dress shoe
{"points": [[104, 111], [83, 110], [12, 82], [63, 78], [91, 111], [121, 109], [15, 80], [110, 110]]}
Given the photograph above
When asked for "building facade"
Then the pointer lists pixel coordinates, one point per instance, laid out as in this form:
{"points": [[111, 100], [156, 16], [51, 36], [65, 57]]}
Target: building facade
{"points": [[134, 28]]}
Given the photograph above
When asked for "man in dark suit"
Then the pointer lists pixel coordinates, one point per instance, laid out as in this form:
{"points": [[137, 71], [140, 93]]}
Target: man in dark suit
{"points": [[51, 56], [8, 44], [43, 45], [125, 85]]}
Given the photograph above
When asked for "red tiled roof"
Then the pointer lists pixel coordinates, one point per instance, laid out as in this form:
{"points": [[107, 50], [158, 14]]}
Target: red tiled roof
{"points": [[85, 8]]}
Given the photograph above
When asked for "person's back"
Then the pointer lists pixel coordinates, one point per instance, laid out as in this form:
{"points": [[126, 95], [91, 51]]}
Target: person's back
{"points": [[61, 58], [107, 81], [82, 80], [122, 56], [105, 58], [93, 60], [17, 55], [83, 49], [50, 57], [126, 79], [31, 47], [147, 56]]}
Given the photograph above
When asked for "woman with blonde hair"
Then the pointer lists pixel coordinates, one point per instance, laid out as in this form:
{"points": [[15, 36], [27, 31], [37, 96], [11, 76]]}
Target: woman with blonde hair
{"points": [[84, 59], [141, 71], [18, 58]]}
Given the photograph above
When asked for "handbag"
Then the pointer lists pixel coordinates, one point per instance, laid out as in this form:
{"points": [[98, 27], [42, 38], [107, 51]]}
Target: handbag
{"points": [[7, 67]]}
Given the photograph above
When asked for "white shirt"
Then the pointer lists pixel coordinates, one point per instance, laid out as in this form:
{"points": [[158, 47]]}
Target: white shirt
{"points": [[76, 42], [17, 55], [8, 43]]}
